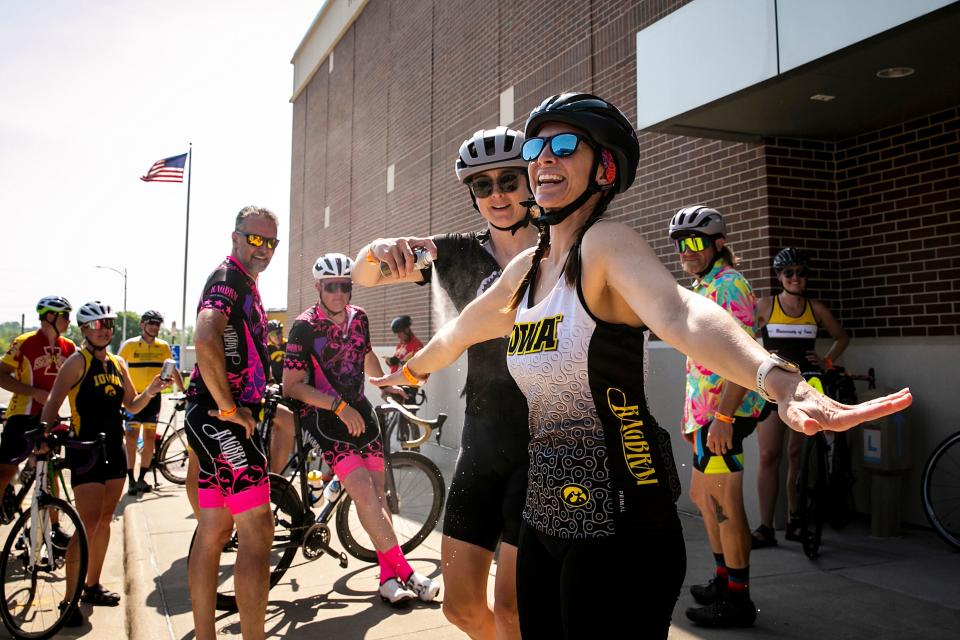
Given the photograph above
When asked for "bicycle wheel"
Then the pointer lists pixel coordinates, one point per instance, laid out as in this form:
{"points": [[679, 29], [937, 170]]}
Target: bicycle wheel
{"points": [[840, 487], [812, 490], [420, 495], [172, 461], [288, 523], [34, 571], [940, 490]]}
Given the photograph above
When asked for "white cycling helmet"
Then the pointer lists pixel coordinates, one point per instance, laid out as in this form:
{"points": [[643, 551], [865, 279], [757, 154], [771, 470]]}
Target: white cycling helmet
{"points": [[332, 265], [95, 310], [697, 219], [490, 149], [53, 304]]}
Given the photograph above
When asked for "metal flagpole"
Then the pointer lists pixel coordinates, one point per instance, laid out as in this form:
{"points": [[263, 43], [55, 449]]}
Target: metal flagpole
{"points": [[186, 244]]}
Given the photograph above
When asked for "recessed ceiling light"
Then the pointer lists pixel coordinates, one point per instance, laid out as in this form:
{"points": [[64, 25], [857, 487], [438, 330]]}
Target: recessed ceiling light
{"points": [[822, 97], [895, 72]]}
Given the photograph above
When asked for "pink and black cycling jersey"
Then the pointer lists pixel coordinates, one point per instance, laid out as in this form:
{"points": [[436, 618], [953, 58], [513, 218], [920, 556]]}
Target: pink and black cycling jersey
{"points": [[331, 354], [232, 291]]}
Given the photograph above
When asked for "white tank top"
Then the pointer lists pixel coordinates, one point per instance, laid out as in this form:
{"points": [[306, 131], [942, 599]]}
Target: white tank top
{"points": [[599, 464]]}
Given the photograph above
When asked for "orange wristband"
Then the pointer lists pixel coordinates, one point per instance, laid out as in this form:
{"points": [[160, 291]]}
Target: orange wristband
{"points": [[723, 418], [229, 413], [340, 408], [372, 259], [412, 379]]}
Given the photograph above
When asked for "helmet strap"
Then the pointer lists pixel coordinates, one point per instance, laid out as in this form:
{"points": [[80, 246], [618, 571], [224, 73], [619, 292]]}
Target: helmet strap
{"points": [[95, 347], [556, 216], [53, 325], [516, 226]]}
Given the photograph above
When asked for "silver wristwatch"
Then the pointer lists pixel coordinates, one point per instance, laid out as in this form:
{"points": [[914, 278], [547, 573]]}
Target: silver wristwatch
{"points": [[772, 362]]}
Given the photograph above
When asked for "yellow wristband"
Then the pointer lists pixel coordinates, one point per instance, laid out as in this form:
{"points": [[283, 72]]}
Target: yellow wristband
{"points": [[229, 413], [412, 379], [722, 418]]}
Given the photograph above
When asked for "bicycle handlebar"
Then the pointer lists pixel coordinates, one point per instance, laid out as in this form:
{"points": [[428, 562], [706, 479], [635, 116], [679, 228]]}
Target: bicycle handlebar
{"points": [[427, 425], [35, 437]]}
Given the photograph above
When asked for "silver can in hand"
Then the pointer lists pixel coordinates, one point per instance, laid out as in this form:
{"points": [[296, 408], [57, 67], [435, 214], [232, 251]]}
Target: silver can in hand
{"points": [[421, 260], [166, 371]]}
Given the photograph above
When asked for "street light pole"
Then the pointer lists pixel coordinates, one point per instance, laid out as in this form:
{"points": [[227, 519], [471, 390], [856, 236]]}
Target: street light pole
{"points": [[123, 273]]}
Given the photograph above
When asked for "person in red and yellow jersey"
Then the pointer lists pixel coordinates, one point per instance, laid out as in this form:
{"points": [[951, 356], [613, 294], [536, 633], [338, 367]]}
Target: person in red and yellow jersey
{"points": [[28, 370]]}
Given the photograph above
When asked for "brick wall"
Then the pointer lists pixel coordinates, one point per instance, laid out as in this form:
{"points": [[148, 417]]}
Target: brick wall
{"points": [[411, 80]]}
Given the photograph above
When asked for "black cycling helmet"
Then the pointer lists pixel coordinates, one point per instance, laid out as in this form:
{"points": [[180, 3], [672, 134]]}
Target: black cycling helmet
{"points": [[151, 315], [274, 325], [399, 323], [790, 256], [603, 123]]}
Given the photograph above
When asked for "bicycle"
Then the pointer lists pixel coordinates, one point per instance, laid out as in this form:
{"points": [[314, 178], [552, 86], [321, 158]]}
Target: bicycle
{"points": [[940, 490], [415, 493], [34, 598], [825, 481], [170, 450], [13, 499]]}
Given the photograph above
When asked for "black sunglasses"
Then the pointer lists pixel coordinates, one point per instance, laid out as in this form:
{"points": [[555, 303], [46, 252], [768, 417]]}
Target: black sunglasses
{"points": [[800, 272], [333, 287], [562, 145], [257, 240], [102, 323], [153, 323], [482, 186]]}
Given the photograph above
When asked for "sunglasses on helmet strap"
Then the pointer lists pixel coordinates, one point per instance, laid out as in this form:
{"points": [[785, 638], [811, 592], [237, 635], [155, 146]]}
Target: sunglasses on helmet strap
{"points": [[691, 243], [562, 145], [482, 186], [102, 323], [334, 287], [789, 272], [257, 240]]}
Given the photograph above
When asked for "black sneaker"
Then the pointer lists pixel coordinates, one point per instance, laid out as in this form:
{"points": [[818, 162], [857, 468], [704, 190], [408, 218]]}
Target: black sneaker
{"points": [[725, 612], [134, 489], [710, 592], [74, 619], [143, 487]]}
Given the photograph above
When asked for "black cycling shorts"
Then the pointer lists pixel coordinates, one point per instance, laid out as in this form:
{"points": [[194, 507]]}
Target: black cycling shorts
{"points": [[113, 467], [12, 442], [343, 452], [707, 462], [625, 585], [148, 415], [233, 467], [489, 486]]}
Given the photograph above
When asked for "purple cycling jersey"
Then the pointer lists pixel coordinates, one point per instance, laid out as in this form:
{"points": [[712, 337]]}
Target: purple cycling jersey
{"points": [[232, 291], [331, 354]]}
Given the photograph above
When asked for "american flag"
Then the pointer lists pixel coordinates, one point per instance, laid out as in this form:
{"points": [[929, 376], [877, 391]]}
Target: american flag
{"points": [[166, 170]]}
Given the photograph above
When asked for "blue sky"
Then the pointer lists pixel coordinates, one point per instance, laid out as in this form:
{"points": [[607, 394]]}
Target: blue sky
{"points": [[91, 94]]}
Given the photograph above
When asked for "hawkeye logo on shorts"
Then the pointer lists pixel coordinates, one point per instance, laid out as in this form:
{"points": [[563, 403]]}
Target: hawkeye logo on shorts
{"points": [[534, 337], [575, 495], [636, 449]]}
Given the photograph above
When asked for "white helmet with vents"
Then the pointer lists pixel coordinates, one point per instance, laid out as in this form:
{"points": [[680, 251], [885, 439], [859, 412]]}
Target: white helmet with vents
{"points": [[332, 265], [95, 310], [490, 149]]}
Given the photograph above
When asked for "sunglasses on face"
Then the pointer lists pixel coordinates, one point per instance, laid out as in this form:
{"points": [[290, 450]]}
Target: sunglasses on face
{"points": [[63, 315], [102, 323], [562, 145], [257, 240], [691, 243], [334, 287], [153, 323], [800, 272], [482, 186]]}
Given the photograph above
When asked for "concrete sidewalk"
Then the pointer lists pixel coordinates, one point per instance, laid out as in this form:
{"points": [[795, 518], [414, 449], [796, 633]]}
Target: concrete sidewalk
{"points": [[860, 588]]}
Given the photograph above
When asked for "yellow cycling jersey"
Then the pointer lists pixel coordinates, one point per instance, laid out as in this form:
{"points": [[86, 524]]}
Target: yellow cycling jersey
{"points": [[96, 399], [144, 360]]}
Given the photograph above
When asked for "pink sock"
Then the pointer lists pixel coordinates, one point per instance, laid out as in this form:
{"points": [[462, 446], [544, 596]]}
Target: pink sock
{"points": [[396, 560], [386, 569]]}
